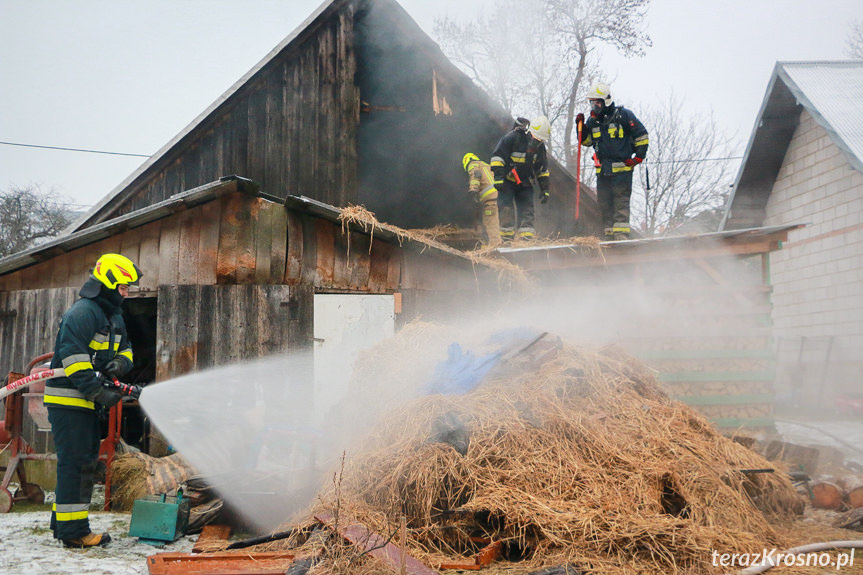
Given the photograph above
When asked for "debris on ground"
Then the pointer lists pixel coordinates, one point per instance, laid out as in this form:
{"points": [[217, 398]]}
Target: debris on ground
{"points": [[566, 456]]}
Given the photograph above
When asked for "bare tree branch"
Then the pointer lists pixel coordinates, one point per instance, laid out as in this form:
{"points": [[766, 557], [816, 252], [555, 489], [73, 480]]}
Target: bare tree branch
{"points": [[854, 42], [29, 216], [682, 187], [534, 56]]}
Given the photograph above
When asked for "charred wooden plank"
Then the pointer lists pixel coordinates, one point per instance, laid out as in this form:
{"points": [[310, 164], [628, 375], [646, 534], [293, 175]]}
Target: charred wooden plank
{"points": [[374, 544]]}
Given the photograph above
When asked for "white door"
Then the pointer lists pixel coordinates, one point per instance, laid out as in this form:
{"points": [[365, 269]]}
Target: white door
{"points": [[345, 325]]}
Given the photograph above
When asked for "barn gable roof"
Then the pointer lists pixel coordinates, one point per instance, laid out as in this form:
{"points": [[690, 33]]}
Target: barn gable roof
{"points": [[101, 211], [832, 92]]}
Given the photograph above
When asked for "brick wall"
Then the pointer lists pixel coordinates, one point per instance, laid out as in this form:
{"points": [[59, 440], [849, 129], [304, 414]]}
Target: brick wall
{"points": [[818, 275]]}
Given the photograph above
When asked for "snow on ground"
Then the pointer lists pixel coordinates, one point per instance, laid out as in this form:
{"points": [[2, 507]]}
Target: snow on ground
{"points": [[27, 547]]}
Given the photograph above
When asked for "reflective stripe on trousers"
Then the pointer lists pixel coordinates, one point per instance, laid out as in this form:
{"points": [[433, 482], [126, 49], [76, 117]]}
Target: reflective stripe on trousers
{"points": [[76, 439]]}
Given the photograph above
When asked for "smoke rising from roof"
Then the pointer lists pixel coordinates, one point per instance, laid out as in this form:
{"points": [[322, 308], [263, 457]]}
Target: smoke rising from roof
{"points": [[252, 429]]}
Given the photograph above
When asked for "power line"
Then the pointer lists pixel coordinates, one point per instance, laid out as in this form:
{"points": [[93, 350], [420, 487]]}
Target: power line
{"points": [[74, 150], [696, 160]]}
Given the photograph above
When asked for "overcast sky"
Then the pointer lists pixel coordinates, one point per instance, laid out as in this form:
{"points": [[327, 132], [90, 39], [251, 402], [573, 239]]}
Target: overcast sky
{"points": [[127, 76]]}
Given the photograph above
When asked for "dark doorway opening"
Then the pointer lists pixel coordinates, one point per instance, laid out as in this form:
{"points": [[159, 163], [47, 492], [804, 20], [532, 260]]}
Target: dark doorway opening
{"points": [[140, 316]]}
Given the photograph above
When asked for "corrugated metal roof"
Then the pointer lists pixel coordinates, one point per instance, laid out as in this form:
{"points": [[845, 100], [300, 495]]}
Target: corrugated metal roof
{"points": [[833, 93]]}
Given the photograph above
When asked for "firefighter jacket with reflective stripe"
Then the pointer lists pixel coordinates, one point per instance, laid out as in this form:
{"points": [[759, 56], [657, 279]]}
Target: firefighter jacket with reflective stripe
{"points": [[519, 150], [91, 334], [481, 181], [616, 134]]}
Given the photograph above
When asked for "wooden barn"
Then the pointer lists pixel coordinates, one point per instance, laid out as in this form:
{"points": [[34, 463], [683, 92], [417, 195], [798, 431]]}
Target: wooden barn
{"points": [[235, 221], [233, 274], [358, 106]]}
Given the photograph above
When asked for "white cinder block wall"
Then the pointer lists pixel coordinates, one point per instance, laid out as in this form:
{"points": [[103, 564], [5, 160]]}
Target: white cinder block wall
{"points": [[818, 275]]}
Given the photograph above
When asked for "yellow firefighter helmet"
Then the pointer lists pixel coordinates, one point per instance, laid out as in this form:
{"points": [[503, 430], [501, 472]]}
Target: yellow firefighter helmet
{"points": [[114, 269], [468, 158]]}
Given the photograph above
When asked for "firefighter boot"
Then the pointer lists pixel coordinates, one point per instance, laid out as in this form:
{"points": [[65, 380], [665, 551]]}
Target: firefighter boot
{"points": [[526, 233], [89, 540]]}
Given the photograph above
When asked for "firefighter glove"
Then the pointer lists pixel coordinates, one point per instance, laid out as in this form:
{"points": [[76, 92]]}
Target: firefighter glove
{"points": [[105, 396], [115, 368], [579, 119], [498, 185], [543, 196], [128, 390], [633, 161]]}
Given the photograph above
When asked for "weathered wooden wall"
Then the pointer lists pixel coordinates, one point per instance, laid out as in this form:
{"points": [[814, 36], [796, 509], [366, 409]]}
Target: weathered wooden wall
{"points": [[291, 128], [28, 324], [203, 326], [235, 239]]}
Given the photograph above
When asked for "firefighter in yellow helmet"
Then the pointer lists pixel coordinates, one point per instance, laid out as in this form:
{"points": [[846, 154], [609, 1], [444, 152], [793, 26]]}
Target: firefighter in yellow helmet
{"points": [[619, 141], [482, 189], [91, 346]]}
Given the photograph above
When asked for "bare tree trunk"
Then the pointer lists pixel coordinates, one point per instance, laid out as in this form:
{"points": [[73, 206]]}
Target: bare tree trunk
{"points": [[570, 110]]}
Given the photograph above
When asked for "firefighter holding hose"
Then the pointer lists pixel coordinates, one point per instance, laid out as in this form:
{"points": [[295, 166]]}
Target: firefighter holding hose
{"points": [[91, 344]]}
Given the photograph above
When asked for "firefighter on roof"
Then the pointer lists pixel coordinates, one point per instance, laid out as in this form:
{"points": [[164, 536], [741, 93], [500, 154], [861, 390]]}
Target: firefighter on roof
{"points": [[619, 141], [481, 187], [519, 158], [92, 338]]}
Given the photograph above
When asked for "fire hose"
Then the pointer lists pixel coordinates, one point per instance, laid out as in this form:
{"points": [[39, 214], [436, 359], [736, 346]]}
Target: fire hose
{"points": [[124, 389]]}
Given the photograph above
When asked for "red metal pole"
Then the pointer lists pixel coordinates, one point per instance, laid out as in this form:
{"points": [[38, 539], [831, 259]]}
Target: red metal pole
{"points": [[115, 418], [578, 173]]}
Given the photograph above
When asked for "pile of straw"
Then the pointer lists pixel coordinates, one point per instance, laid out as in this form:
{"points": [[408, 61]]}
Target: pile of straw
{"points": [[135, 475], [575, 457]]}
